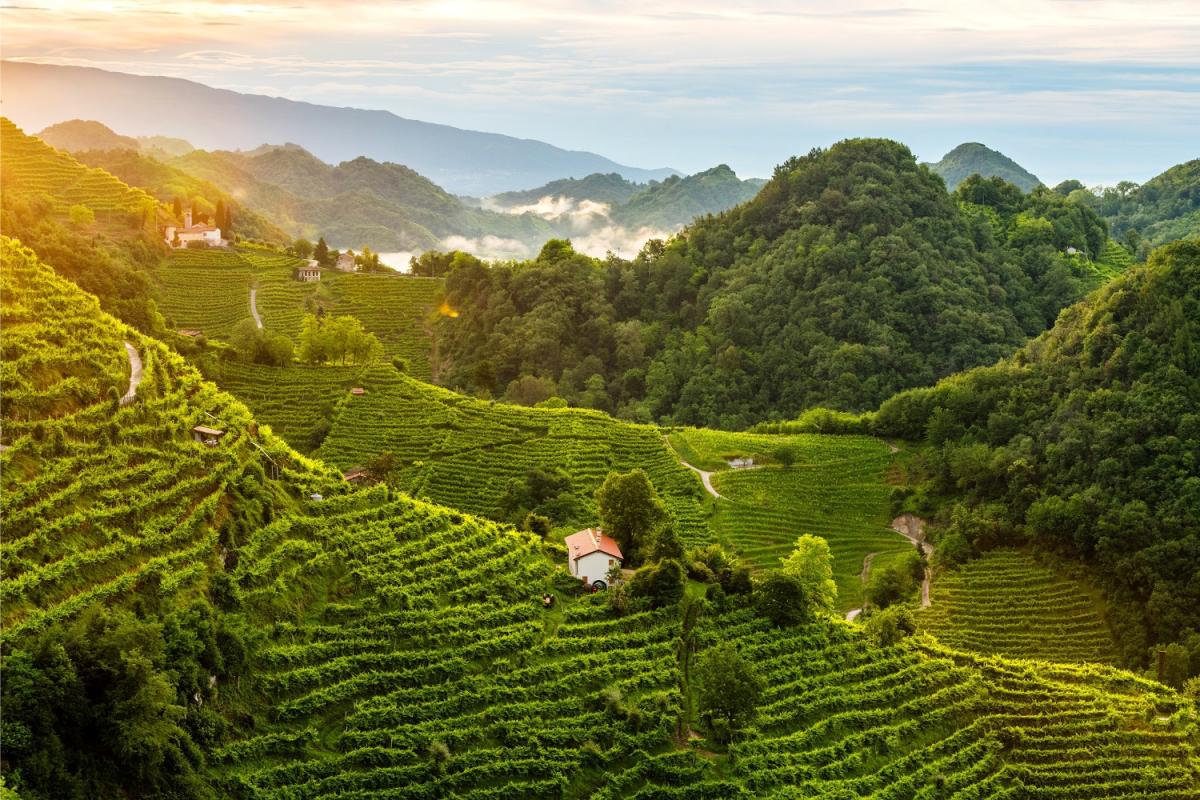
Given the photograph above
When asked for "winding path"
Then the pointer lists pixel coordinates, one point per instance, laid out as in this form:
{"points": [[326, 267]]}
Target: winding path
{"points": [[911, 527], [135, 374], [254, 308], [705, 477]]}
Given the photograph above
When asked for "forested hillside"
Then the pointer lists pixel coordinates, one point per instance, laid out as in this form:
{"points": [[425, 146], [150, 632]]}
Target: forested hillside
{"points": [[676, 201], [1086, 442], [1163, 209], [258, 630], [972, 158], [850, 276]]}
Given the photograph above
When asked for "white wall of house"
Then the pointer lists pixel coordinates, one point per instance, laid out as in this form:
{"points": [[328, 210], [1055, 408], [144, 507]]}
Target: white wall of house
{"points": [[592, 567]]}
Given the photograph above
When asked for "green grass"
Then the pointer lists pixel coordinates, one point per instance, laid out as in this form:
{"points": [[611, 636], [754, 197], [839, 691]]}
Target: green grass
{"points": [[1007, 603], [835, 489]]}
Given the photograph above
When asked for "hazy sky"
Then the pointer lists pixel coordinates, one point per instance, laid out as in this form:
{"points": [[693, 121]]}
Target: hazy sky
{"points": [[1092, 89]]}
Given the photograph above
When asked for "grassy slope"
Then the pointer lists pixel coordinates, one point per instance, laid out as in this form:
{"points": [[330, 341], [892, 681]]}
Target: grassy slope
{"points": [[836, 489], [389, 626]]}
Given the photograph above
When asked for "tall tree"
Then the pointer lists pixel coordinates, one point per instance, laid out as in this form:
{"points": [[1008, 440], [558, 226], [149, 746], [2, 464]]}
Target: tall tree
{"points": [[630, 511], [811, 563]]}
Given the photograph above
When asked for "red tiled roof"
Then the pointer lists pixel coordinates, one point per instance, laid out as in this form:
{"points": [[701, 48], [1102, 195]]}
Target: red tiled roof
{"points": [[591, 540]]}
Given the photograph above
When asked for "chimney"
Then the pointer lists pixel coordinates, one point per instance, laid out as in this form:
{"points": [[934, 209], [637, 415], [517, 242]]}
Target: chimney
{"points": [[187, 218]]}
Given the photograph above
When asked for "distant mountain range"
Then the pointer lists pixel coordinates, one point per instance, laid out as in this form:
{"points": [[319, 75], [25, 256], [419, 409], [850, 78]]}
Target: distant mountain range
{"points": [[391, 208], [971, 157], [462, 161]]}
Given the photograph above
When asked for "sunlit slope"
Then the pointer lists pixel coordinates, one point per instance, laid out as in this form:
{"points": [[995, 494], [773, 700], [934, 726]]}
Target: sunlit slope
{"points": [[209, 291], [103, 496]]}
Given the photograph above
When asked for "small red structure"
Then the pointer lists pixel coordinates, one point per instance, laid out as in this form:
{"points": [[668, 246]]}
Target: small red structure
{"points": [[358, 391]]}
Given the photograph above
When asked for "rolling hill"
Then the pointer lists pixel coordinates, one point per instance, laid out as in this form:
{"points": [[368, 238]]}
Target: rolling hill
{"points": [[260, 629], [465, 162], [972, 158]]}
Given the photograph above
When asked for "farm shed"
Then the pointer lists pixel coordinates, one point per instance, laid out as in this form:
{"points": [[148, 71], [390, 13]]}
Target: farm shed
{"points": [[590, 554], [207, 435]]}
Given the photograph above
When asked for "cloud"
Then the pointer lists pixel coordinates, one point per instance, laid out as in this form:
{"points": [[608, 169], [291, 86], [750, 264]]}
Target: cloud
{"points": [[580, 215], [489, 246]]}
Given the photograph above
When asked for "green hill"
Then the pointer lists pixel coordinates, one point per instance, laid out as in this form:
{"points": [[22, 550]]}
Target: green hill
{"points": [[100, 232], [676, 201], [385, 206], [972, 158], [608, 188], [77, 135], [850, 276], [1163, 209], [1085, 442], [227, 634]]}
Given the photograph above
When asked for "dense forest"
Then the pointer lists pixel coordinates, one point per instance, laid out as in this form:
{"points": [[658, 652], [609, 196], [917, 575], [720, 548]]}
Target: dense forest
{"points": [[1163, 209], [852, 275], [1086, 441]]}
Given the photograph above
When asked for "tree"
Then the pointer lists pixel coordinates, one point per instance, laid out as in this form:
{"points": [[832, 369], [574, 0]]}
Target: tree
{"points": [[781, 599], [785, 455], [895, 582], [662, 584], [629, 511], [321, 252], [177, 209], [81, 216], [303, 248], [730, 691], [811, 563]]}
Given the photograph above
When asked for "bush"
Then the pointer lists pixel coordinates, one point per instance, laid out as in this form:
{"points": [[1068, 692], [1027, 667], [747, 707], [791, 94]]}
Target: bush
{"points": [[661, 584], [781, 599], [889, 626]]}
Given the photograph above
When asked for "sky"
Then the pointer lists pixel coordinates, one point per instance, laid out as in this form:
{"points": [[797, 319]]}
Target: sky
{"points": [[1089, 89]]}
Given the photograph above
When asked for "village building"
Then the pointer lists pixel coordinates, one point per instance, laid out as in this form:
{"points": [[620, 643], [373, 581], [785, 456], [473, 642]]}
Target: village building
{"points": [[207, 435], [590, 555], [207, 235], [308, 273], [345, 261], [741, 463], [358, 391]]}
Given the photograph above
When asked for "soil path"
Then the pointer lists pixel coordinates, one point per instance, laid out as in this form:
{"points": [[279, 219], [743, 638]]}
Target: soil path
{"points": [[705, 477], [912, 527], [254, 308], [135, 374]]}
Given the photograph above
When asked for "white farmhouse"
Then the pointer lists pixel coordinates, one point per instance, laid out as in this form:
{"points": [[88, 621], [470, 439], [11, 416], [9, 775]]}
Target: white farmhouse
{"points": [[181, 237], [590, 554]]}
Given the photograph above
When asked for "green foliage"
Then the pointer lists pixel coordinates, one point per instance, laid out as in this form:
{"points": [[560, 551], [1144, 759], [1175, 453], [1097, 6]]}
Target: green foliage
{"points": [[896, 582], [811, 563], [328, 339], [661, 584], [730, 691], [1163, 209], [851, 275], [630, 512], [1074, 440], [783, 599], [890, 626]]}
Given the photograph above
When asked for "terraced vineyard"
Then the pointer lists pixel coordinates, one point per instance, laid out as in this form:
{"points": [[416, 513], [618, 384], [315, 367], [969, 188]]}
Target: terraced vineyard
{"points": [[841, 719], [32, 167], [294, 401], [209, 290], [398, 649], [206, 290], [462, 452], [1006, 603], [835, 489], [437, 643], [100, 497]]}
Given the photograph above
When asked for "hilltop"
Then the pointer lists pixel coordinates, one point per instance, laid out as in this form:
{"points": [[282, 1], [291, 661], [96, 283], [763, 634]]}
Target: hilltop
{"points": [[77, 135], [851, 275], [972, 158], [463, 161], [1163, 209]]}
